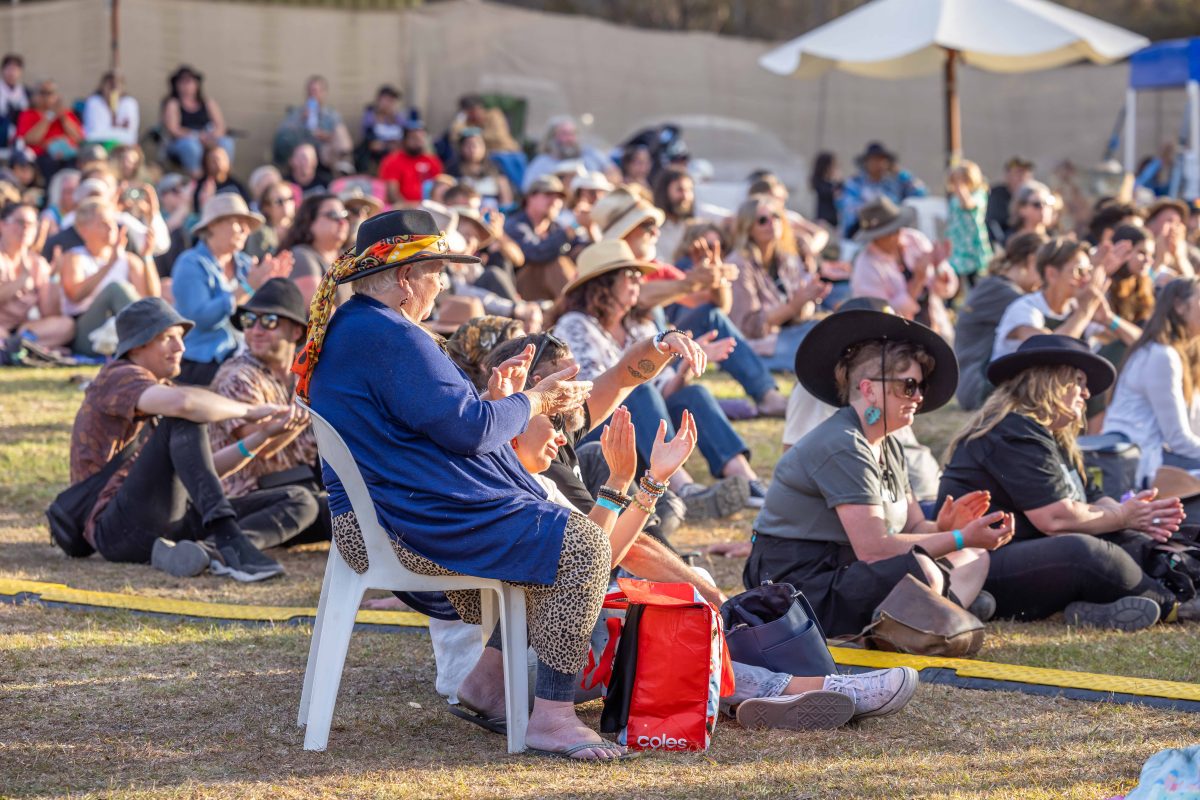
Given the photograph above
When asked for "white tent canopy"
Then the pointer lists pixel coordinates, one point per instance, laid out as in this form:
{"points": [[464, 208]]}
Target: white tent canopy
{"points": [[907, 38]]}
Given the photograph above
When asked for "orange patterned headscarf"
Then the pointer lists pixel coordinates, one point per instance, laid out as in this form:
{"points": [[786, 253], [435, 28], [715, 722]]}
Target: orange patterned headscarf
{"points": [[394, 250]]}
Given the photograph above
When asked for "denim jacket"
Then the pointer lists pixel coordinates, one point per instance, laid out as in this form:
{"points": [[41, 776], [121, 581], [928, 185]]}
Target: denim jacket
{"points": [[204, 295]]}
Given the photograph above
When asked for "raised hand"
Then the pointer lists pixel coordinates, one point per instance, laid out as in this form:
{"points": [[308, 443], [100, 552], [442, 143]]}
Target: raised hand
{"points": [[558, 392], [510, 376], [667, 457], [966, 509], [268, 267], [619, 445]]}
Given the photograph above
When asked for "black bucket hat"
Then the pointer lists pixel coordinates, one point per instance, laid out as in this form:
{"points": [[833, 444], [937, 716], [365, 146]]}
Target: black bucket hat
{"points": [[403, 223], [140, 321], [277, 296], [1054, 350], [826, 344]]}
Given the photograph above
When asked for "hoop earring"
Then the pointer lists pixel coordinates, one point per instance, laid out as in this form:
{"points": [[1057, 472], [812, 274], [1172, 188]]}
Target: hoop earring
{"points": [[872, 415]]}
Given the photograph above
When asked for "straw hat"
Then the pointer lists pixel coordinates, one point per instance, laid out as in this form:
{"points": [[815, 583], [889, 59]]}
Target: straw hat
{"points": [[226, 204], [468, 213], [620, 211], [604, 257]]}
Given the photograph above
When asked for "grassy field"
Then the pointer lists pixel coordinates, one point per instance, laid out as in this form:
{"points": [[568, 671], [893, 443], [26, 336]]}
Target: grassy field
{"points": [[116, 705]]}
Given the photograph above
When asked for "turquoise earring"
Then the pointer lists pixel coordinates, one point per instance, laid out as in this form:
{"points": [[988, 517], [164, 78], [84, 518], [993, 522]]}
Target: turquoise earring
{"points": [[872, 415]]}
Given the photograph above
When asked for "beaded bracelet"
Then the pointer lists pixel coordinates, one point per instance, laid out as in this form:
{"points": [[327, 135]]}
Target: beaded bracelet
{"points": [[651, 486], [604, 502], [637, 501], [658, 340], [612, 494]]}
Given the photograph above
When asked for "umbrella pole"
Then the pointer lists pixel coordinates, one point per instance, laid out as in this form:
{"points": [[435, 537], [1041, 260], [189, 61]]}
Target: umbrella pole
{"points": [[953, 117]]}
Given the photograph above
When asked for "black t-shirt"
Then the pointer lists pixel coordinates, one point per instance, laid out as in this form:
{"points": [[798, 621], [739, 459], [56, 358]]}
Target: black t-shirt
{"points": [[1019, 462], [564, 469]]}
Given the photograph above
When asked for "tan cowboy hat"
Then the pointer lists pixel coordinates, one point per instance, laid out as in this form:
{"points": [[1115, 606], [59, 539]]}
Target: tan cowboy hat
{"points": [[454, 310], [468, 213], [1176, 482], [226, 204], [356, 197], [603, 257], [620, 211], [881, 217]]}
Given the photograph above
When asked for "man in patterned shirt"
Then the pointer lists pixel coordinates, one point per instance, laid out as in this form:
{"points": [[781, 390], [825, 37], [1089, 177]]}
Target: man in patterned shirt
{"points": [[273, 321]]}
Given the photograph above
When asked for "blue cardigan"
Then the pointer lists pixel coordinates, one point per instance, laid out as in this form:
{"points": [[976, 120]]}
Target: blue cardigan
{"points": [[436, 459], [202, 295]]}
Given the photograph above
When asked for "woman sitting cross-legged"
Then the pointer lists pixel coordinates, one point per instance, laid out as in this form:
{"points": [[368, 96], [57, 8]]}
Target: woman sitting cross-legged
{"points": [[840, 523], [597, 318], [438, 464], [1074, 550]]}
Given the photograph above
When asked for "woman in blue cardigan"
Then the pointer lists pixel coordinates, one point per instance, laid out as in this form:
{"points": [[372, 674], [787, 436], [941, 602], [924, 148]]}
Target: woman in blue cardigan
{"points": [[437, 461], [209, 282]]}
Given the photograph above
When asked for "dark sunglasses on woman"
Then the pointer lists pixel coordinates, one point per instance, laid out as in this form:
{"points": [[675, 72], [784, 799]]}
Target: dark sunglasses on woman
{"points": [[767, 219], [248, 319], [910, 386], [544, 341]]}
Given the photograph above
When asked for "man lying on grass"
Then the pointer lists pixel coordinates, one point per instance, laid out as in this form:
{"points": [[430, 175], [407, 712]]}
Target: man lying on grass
{"points": [[164, 504]]}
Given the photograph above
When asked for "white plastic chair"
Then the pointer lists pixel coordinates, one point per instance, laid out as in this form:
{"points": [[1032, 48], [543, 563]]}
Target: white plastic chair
{"points": [[342, 592]]}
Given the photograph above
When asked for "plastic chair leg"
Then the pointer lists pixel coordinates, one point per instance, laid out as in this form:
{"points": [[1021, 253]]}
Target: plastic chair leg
{"points": [[314, 645], [337, 624], [516, 671], [489, 607]]}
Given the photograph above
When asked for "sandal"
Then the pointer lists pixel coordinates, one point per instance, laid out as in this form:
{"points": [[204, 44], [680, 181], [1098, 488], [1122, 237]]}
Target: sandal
{"points": [[569, 753], [475, 717]]}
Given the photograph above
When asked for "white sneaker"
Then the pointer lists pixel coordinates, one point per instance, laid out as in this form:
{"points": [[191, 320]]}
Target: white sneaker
{"points": [[807, 711], [878, 693]]}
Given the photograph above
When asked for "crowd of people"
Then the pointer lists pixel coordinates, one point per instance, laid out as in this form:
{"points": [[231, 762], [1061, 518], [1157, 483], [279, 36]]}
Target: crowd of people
{"points": [[584, 294]]}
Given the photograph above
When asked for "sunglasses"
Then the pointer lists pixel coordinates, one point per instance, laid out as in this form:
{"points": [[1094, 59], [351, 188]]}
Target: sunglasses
{"points": [[545, 340], [632, 274], [336, 216], [766, 219], [648, 225], [269, 322], [1036, 204], [281, 201], [909, 388]]}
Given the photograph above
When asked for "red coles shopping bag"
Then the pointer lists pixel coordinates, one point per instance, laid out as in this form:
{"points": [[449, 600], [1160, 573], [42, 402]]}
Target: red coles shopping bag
{"points": [[668, 671]]}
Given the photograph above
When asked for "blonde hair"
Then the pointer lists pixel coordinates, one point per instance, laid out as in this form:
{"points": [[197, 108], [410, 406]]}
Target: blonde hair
{"points": [[1036, 393], [967, 172], [744, 221], [91, 210], [864, 359]]}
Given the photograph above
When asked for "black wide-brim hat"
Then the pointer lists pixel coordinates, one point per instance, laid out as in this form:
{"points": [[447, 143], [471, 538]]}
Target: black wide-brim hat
{"points": [[1054, 350], [827, 342], [410, 222], [277, 296]]}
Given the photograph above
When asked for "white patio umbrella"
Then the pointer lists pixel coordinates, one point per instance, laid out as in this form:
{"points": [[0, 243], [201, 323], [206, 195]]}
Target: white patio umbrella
{"points": [[907, 38]]}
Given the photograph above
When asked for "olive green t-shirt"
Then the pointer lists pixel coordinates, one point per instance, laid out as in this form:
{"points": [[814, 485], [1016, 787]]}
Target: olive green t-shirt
{"points": [[831, 466]]}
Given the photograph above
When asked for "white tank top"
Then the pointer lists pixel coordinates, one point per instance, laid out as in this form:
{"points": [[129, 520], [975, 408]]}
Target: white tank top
{"points": [[119, 272]]}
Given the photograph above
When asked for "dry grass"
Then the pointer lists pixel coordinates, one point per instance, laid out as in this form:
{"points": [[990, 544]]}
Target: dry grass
{"points": [[116, 705]]}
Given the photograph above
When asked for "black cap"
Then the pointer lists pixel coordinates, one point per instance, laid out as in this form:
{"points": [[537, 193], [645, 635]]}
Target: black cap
{"points": [[277, 296]]}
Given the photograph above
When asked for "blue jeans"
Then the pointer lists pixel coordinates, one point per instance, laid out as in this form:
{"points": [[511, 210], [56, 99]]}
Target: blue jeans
{"points": [[743, 364], [786, 345], [189, 151], [1181, 462], [718, 441]]}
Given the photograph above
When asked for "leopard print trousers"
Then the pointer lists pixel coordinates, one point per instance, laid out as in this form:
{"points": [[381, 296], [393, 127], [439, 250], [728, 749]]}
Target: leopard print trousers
{"points": [[560, 615]]}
